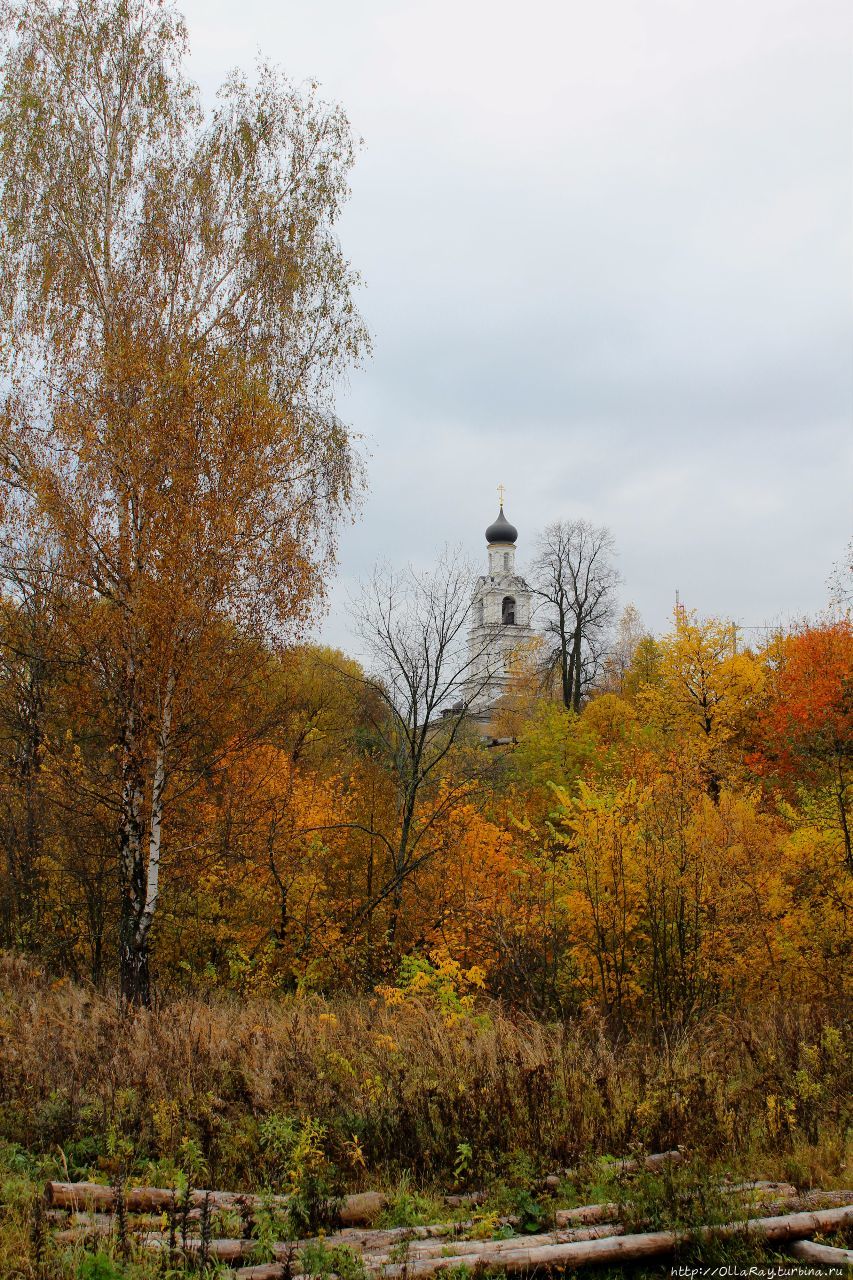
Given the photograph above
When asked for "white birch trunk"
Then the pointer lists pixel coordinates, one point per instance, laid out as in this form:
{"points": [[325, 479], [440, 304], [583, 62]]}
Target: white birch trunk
{"points": [[152, 880]]}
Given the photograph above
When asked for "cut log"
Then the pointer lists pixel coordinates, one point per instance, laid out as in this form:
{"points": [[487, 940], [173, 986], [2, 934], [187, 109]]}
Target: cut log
{"points": [[96, 1223], [94, 1195], [656, 1244], [628, 1164], [825, 1254], [462, 1248], [652, 1162], [362, 1209], [225, 1250], [587, 1213], [818, 1197], [464, 1199], [86, 1226], [780, 1190], [355, 1210], [381, 1241], [800, 1200]]}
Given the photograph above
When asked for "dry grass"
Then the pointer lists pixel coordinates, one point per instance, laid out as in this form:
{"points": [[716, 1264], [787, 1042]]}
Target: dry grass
{"points": [[399, 1090]]}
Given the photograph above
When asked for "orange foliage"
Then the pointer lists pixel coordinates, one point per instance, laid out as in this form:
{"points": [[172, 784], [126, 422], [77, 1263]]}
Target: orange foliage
{"points": [[808, 719]]}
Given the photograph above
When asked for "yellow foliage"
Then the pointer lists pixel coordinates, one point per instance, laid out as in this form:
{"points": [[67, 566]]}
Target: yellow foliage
{"points": [[705, 691], [440, 982]]}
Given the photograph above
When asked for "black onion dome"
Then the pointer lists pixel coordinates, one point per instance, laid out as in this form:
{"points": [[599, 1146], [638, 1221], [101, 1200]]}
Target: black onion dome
{"points": [[501, 530]]}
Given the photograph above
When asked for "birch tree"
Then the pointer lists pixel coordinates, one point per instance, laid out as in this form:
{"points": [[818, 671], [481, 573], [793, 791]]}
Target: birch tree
{"points": [[176, 312]]}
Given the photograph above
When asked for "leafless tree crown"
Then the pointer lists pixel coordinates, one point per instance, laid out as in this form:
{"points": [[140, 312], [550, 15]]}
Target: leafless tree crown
{"points": [[574, 580]]}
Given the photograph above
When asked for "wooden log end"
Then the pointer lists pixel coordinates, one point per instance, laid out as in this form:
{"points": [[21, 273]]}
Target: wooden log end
{"points": [[823, 1254], [362, 1210], [586, 1214]]}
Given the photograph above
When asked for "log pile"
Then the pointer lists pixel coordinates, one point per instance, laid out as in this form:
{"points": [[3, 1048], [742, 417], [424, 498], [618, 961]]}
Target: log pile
{"points": [[772, 1212]]}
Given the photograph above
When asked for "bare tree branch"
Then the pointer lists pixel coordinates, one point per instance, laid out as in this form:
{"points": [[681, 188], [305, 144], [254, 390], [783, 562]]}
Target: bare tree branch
{"points": [[575, 581]]}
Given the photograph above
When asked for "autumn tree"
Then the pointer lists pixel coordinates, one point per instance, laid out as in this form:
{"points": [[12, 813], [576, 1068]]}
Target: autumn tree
{"points": [[176, 312], [260, 899], [272, 847], [423, 673], [597, 835], [619, 660], [805, 731], [316, 695], [645, 669], [705, 690], [575, 580]]}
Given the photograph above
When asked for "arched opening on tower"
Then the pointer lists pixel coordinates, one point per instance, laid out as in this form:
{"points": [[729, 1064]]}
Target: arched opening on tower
{"points": [[508, 611]]}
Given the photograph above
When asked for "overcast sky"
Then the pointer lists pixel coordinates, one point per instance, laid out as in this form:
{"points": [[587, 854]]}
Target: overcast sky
{"points": [[607, 259]]}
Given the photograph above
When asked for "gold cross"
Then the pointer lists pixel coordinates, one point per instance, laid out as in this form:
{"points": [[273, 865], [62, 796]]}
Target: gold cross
{"points": [[501, 492]]}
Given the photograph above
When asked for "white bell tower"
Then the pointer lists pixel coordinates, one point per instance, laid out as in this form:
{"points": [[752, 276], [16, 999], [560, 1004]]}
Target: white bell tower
{"points": [[501, 617]]}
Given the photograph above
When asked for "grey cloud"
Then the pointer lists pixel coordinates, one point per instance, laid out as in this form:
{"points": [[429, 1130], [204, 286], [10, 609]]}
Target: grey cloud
{"points": [[607, 257]]}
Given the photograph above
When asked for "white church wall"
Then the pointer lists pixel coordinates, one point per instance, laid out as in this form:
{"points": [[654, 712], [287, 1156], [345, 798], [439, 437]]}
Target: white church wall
{"points": [[501, 560], [492, 640]]}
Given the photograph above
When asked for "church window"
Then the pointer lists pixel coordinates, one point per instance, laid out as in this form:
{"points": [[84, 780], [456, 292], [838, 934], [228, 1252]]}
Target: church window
{"points": [[508, 611], [506, 561]]}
